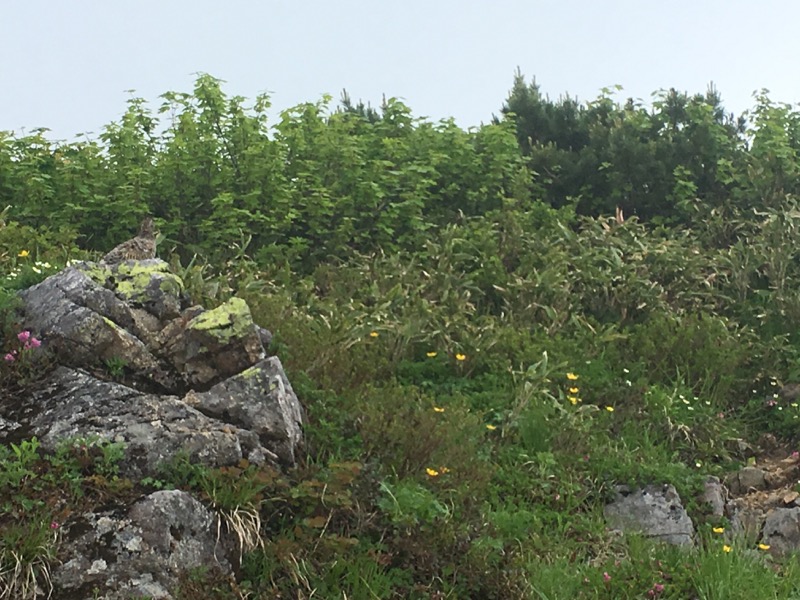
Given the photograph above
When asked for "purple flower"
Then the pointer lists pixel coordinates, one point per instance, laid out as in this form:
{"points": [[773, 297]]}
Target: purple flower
{"points": [[24, 336]]}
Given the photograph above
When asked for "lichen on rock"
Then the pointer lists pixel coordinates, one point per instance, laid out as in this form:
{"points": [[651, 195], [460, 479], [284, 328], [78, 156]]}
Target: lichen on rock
{"points": [[185, 381]]}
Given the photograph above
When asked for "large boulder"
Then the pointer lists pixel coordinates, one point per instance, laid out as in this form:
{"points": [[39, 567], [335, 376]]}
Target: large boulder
{"points": [[154, 428], [654, 511], [185, 379], [91, 316], [136, 314], [134, 363], [212, 344], [141, 551], [259, 399], [781, 531]]}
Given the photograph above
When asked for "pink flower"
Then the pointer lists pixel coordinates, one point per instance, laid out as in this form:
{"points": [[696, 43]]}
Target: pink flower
{"points": [[606, 577], [54, 525], [24, 336], [9, 357], [658, 588], [795, 455], [32, 343]]}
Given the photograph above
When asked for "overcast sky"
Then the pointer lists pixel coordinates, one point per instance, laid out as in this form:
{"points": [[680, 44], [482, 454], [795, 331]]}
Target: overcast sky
{"points": [[65, 64]]}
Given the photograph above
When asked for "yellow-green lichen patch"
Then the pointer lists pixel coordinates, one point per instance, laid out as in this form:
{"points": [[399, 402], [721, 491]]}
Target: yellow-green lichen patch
{"points": [[96, 272], [134, 278], [111, 323], [227, 321], [131, 279], [250, 373]]}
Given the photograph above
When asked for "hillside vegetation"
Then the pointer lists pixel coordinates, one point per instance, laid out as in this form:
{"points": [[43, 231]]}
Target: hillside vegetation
{"points": [[488, 328]]}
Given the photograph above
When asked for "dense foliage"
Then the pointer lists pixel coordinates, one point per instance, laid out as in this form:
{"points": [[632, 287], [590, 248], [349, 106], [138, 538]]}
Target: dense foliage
{"points": [[488, 328]]}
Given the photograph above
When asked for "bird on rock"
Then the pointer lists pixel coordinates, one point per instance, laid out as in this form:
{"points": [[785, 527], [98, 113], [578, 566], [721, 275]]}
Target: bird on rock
{"points": [[142, 247]]}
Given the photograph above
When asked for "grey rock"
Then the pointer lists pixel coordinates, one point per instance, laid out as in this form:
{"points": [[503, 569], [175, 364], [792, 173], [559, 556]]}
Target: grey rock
{"points": [[188, 381], [260, 399], [84, 324], [152, 427], [746, 520], [714, 496], [207, 346], [8, 427], [746, 480], [655, 511], [265, 335], [782, 531], [141, 551], [147, 284]]}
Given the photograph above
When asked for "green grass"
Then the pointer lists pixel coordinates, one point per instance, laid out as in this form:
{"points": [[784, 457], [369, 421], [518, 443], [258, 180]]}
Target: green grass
{"points": [[460, 455]]}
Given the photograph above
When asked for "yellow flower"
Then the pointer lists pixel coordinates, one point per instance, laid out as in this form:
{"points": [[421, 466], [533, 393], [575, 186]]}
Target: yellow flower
{"points": [[573, 399], [572, 376], [610, 408], [726, 548], [438, 409], [431, 354], [718, 530], [23, 253], [573, 390], [373, 334], [763, 546], [444, 470], [432, 472], [491, 427], [460, 356]]}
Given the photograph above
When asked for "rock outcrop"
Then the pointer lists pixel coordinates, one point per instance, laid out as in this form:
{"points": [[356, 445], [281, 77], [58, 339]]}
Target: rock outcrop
{"points": [[136, 364]]}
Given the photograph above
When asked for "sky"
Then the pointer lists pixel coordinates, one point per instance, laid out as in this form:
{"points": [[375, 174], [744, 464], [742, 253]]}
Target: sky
{"points": [[69, 65]]}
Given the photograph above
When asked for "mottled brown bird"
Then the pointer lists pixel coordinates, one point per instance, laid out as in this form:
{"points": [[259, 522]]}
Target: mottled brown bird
{"points": [[142, 247]]}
